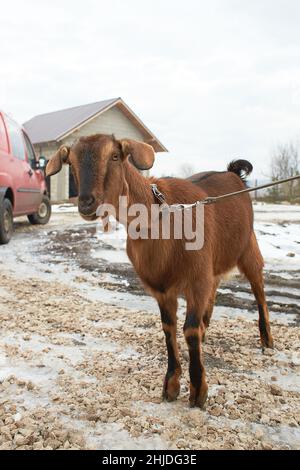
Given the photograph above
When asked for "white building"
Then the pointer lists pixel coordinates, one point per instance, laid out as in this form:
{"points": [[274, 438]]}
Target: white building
{"points": [[49, 131]]}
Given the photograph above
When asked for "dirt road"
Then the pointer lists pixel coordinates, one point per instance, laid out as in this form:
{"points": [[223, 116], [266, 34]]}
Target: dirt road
{"points": [[82, 354]]}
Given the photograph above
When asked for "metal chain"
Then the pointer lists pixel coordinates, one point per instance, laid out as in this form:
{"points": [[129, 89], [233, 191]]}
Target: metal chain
{"points": [[213, 199]]}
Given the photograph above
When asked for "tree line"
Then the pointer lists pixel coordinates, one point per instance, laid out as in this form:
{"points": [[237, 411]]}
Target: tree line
{"points": [[285, 163]]}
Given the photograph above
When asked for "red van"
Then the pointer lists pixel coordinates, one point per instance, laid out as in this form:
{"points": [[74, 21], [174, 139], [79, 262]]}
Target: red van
{"points": [[23, 188]]}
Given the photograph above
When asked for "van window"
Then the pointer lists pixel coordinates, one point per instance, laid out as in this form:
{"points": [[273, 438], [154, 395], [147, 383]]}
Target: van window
{"points": [[30, 151], [3, 138], [16, 139]]}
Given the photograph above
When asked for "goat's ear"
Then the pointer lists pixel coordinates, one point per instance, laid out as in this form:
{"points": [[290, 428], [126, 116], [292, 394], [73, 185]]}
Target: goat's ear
{"points": [[142, 154], [55, 163]]}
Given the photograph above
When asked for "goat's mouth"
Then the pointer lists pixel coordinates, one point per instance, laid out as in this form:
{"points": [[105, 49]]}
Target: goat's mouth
{"points": [[90, 212], [89, 217]]}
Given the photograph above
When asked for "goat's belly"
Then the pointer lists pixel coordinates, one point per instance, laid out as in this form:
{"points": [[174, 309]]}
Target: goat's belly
{"points": [[156, 264], [228, 253], [160, 280]]}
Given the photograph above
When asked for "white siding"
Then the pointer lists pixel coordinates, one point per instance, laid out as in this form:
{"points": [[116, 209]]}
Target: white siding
{"points": [[59, 182], [112, 121]]}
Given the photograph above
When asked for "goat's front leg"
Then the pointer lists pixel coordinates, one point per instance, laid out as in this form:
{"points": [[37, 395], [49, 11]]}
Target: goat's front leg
{"points": [[193, 332], [168, 311]]}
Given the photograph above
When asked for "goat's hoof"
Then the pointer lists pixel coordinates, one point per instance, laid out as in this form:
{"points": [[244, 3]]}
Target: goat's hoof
{"points": [[199, 403], [199, 400], [267, 343], [169, 398], [171, 389]]}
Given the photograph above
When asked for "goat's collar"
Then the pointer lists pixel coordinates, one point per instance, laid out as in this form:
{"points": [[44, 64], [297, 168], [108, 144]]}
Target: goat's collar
{"points": [[157, 194]]}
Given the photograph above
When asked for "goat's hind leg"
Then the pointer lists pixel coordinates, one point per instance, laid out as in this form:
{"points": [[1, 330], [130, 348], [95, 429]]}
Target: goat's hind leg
{"points": [[168, 310], [193, 332], [210, 306], [251, 264]]}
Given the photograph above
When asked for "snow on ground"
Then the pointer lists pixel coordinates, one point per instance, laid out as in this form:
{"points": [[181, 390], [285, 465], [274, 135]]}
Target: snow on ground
{"points": [[65, 208], [276, 212], [82, 356], [278, 231]]}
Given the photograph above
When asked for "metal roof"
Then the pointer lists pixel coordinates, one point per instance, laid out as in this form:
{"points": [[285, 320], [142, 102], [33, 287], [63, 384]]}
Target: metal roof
{"points": [[56, 125]]}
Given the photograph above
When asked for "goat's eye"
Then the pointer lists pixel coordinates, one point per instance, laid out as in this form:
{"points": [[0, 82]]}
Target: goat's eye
{"points": [[115, 157]]}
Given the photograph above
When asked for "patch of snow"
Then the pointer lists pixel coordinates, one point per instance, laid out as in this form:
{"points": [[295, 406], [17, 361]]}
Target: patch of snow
{"points": [[65, 208]]}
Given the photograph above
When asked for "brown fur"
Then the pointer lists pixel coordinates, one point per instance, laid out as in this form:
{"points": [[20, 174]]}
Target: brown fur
{"points": [[167, 270]]}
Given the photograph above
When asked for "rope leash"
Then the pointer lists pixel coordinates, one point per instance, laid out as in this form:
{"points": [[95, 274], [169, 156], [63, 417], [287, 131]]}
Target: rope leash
{"points": [[213, 199]]}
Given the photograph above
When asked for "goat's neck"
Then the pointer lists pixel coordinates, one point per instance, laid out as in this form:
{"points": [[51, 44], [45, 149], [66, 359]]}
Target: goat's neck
{"points": [[139, 189]]}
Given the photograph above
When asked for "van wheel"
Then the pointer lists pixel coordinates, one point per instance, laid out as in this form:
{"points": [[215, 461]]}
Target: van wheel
{"points": [[43, 215], [6, 221]]}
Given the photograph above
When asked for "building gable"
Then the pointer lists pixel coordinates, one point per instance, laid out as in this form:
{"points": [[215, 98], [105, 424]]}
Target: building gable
{"points": [[111, 121]]}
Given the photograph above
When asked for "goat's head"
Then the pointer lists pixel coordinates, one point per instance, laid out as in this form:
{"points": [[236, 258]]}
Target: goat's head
{"points": [[97, 163]]}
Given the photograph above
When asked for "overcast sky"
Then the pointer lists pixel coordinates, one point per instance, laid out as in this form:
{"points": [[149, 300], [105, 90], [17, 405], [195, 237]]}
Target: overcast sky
{"points": [[214, 80]]}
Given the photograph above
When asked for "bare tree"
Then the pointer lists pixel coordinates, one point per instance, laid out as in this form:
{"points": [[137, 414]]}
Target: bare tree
{"points": [[186, 170], [284, 164]]}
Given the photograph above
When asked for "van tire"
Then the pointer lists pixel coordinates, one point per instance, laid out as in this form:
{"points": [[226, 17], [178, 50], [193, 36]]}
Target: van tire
{"points": [[6, 221], [43, 215]]}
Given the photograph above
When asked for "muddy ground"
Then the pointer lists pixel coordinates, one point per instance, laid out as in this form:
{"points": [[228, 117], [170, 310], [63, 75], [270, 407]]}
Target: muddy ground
{"points": [[82, 354]]}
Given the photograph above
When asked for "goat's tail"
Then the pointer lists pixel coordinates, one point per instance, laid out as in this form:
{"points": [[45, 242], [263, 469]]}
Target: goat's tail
{"points": [[242, 168]]}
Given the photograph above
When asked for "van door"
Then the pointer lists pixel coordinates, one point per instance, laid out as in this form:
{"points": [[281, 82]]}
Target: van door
{"points": [[4, 154], [26, 193], [10, 167], [36, 176]]}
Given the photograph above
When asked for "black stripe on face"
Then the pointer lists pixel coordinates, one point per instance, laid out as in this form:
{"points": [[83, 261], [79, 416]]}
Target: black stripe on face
{"points": [[195, 364], [192, 320], [87, 172]]}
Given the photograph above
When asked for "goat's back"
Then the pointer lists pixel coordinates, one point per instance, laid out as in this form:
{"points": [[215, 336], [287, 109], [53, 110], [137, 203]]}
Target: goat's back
{"points": [[216, 183]]}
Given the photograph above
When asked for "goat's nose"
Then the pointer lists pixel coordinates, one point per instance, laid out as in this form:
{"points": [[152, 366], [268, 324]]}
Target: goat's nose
{"points": [[86, 201]]}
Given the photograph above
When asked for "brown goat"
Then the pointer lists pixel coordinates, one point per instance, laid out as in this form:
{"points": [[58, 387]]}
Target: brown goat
{"points": [[103, 173]]}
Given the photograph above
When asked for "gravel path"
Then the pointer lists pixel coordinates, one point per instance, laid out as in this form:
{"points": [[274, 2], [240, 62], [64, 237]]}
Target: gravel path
{"points": [[78, 373]]}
